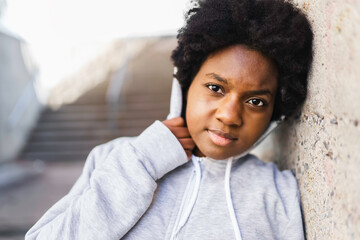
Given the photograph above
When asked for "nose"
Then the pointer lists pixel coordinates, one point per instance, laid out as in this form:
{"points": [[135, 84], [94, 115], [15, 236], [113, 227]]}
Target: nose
{"points": [[229, 112]]}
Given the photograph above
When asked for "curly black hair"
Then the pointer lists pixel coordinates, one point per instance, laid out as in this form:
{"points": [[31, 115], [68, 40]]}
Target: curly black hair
{"points": [[276, 28]]}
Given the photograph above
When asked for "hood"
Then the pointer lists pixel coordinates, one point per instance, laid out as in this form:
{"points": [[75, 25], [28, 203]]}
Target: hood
{"points": [[176, 107], [175, 111]]}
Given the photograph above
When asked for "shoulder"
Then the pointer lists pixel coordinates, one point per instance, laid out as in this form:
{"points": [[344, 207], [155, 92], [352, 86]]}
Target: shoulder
{"points": [[267, 176], [257, 167], [107, 147], [269, 194], [99, 154], [156, 148], [148, 136], [104, 149]]}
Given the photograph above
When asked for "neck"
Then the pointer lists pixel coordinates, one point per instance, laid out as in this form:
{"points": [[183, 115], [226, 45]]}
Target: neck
{"points": [[197, 152]]}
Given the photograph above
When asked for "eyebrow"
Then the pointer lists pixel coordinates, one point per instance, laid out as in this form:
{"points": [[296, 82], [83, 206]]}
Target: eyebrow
{"points": [[225, 81], [259, 92], [217, 77]]}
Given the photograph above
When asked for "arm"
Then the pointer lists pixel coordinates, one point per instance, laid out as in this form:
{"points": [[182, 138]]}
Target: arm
{"points": [[290, 193], [294, 229], [115, 188]]}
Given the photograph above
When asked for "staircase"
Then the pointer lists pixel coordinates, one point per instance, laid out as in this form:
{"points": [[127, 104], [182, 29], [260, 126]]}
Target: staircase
{"points": [[69, 133]]}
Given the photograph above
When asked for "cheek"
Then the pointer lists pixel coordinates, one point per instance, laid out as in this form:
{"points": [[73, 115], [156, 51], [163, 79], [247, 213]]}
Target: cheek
{"points": [[195, 112], [191, 114], [260, 124]]}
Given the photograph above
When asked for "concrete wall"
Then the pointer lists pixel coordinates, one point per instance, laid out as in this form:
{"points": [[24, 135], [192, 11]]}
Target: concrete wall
{"points": [[322, 145]]}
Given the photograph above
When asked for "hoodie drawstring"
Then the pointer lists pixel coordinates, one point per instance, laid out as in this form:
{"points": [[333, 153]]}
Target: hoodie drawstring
{"points": [[229, 200], [188, 202]]}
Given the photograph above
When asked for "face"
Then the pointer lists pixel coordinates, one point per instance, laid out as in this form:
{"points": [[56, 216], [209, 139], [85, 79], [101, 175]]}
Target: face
{"points": [[230, 101]]}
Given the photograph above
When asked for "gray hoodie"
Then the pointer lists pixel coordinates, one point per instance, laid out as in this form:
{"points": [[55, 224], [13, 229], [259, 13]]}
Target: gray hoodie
{"points": [[145, 188]]}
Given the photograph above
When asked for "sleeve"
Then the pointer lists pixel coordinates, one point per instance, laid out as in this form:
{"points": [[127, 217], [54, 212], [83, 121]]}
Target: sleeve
{"points": [[294, 228], [115, 189]]}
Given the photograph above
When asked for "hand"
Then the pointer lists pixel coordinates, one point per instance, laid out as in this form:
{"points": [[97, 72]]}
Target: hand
{"points": [[178, 128]]}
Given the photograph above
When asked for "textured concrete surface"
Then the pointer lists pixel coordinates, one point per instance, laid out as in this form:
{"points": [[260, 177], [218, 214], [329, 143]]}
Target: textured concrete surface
{"points": [[321, 145]]}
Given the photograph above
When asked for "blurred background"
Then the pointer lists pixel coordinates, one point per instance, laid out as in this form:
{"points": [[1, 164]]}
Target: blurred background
{"points": [[74, 74]]}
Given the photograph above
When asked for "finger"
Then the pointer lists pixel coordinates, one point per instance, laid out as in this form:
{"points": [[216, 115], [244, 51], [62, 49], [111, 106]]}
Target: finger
{"points": [[188, 154], [178, 121], [187, 143], [180, 132]]}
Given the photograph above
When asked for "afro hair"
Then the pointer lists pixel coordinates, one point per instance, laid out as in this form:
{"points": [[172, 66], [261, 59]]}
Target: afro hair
{"points": [[275, 28]]}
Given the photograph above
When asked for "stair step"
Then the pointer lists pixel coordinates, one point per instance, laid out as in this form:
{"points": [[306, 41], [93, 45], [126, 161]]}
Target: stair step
{"points": [[100, 134], [81, 145], [133, 106], [129, 115], [15, 172], [70, 132], [146, 97], [57, 155], [100, 124]]}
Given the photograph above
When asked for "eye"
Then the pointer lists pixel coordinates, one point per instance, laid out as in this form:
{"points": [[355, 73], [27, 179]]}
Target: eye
{"points": [[215, 88], [256, 102]]}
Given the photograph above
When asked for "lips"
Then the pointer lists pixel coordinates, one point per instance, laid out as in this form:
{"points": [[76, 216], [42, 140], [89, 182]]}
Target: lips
{"points": [[220, 138]]}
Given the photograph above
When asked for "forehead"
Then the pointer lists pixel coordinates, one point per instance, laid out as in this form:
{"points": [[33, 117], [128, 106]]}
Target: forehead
{"points": [[241, 66]]}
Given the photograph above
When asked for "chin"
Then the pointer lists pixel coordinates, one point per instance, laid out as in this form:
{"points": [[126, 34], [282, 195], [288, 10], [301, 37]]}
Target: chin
{"points": [[217, 155]]}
